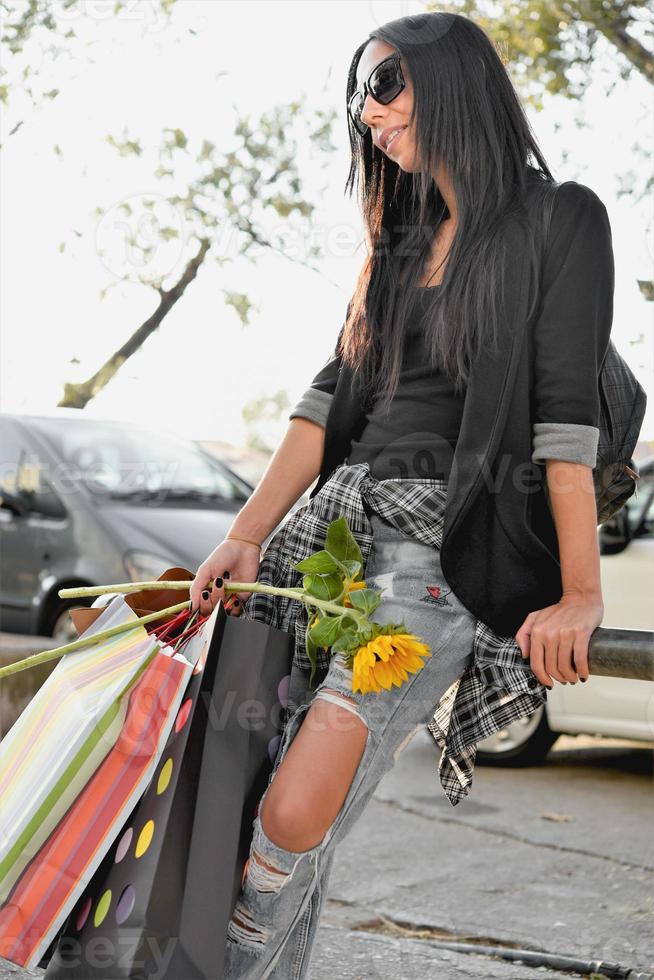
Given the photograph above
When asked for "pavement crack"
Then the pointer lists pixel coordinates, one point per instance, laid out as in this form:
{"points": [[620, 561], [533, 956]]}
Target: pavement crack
{"points": [[386, 925], [556, 964], [562, 848]]}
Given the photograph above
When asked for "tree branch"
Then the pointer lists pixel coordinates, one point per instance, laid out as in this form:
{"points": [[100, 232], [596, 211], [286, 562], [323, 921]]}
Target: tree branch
{"points": [[78, 395]]}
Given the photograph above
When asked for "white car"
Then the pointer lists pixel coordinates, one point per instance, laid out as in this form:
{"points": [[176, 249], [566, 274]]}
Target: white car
{"points": [[610, 706]]}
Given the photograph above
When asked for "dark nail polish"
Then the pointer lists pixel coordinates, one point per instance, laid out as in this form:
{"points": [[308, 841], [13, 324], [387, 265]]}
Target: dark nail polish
{"points": [[237, 602], [205, 593], [218, 582], [583, 679], [226, 574]]}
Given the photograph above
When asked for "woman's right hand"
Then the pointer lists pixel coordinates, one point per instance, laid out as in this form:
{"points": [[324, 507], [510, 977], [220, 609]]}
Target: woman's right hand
{"points": [[232, 560]]}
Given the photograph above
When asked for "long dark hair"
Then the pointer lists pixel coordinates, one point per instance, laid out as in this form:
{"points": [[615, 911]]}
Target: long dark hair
{"points": [[468, 118]]}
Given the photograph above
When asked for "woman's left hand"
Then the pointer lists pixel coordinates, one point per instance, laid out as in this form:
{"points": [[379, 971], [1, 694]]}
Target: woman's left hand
{"points": [[556, 638]]}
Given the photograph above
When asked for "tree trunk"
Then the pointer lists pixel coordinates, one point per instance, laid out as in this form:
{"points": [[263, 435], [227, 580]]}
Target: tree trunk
{"points": [[79, 395]]}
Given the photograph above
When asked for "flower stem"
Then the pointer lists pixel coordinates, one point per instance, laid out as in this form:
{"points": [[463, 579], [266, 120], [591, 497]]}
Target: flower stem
{"points": [[124, 587], [85, 641], [296, 593]]}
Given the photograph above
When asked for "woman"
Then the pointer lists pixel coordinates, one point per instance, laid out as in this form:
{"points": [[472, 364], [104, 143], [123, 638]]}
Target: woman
{"points": [[469, 354]]}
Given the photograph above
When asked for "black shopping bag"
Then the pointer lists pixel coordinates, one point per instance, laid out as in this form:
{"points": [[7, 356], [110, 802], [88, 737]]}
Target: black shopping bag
{"points": [[159, 905]]}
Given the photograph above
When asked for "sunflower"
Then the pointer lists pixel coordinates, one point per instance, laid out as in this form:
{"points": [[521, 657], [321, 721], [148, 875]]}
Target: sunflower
{"points": [[387, 659]]}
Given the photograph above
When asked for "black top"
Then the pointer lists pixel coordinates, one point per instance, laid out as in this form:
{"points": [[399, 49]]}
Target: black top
{"points": [[499, 550], [417, 436]]}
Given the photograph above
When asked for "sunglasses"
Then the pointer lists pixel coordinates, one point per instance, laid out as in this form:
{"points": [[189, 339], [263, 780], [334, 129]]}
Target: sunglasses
{"points": [[384, 83]]}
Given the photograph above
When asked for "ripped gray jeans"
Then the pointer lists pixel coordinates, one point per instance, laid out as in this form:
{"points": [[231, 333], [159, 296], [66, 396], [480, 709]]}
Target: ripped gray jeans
{"points": [[273, 929]]}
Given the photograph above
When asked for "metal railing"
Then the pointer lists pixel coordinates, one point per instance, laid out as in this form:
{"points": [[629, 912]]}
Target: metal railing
{"points": [[622, 653]]}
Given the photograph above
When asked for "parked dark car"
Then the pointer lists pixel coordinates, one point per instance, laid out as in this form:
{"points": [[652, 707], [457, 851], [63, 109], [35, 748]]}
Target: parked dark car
{"points": [[89, 502], [636, 517]]}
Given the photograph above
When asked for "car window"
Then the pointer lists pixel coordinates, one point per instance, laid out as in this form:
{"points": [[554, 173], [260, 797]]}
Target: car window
{"points": [[24, 473], [11, 448], [108, 458]]}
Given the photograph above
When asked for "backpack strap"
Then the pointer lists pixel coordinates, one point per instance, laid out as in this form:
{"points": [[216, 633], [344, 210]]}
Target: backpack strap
{"points": [[546, 216]]}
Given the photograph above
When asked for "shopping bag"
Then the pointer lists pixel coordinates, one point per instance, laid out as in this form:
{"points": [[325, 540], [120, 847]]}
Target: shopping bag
{"points": [[73, 766], [160, 903]]}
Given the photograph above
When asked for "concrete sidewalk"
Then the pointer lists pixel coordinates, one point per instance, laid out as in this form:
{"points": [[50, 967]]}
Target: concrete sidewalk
{"points": [[556, 858]]}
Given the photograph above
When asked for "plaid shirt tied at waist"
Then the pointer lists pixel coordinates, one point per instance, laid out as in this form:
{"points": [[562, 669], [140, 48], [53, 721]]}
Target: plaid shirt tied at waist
{"points": [[498, 687]]}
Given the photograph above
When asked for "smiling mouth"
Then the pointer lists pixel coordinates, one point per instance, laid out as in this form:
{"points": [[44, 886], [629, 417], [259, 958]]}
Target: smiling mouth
{"points": [[394, 139]]}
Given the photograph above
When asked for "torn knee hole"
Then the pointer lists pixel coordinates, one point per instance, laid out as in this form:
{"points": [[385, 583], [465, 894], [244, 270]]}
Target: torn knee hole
{"points": [[263, 876], [336, 697], [344, 697]]}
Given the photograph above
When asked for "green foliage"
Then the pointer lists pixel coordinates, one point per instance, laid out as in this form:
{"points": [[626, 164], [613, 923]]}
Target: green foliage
{"points": [[325, 587], [366, 600], [326, 631], [326, 576], [549, 46], [322, 562], [221, 194], [35, 35], [340, 541], [555, 47], [210, 195], [354, 569], [240, 303], [348, 642], [259, 411], [312, 649]]}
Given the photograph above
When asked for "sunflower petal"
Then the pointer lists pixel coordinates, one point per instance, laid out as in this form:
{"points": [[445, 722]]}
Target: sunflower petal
{"points": [[384, 675], [399, 671]]}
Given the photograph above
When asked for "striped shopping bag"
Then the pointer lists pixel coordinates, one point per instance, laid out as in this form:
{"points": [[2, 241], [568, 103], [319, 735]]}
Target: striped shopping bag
{"points": [[75, 764]]}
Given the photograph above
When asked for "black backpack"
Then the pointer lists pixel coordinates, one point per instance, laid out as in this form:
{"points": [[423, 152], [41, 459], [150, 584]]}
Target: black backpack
{"points": [[622, 409]]}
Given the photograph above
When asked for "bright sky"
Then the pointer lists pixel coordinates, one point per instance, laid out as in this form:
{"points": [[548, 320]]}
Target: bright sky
{"points": [[198, 371]]}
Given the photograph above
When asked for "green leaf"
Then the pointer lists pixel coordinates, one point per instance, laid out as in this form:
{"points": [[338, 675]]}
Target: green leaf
{"points": [[312, 650], [321, 562], [354, 569], [326, 631], [340, 541], [389, 628], [323, 586], [365, 600], [348, 640]]}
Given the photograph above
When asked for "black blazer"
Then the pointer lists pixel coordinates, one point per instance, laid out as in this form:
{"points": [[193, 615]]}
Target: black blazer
{"points": [[499, 549]]}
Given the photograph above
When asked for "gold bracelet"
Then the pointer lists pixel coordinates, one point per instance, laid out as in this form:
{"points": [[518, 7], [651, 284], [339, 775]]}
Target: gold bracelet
{"points": [[237, 537]]}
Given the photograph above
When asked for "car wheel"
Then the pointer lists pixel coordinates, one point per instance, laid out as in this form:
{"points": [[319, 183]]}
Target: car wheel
{"points": [[616, 533], [59, 623], [524, 742]]}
